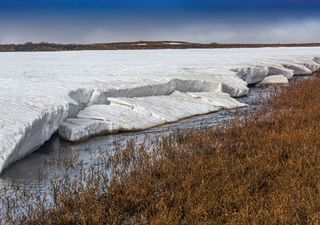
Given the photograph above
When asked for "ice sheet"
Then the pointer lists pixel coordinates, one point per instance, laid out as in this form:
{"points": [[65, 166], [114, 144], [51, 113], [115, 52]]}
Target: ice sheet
{"points": [[40, 90], [124, 114], [274, 79]]}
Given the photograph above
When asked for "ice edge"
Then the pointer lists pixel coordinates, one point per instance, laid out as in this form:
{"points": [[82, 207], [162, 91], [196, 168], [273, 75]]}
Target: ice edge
{"points": [[50, 120]]}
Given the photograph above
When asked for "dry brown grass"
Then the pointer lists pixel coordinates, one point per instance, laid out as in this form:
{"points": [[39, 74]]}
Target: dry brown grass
{"points": [[264, 171], [44, 46]]}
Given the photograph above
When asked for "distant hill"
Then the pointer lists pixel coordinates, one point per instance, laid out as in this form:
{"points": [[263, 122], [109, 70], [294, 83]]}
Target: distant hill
{"points": [[44, 46]]}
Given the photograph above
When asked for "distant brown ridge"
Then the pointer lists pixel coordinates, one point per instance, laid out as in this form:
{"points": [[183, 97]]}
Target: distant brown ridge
{"points": [[44, 46]]}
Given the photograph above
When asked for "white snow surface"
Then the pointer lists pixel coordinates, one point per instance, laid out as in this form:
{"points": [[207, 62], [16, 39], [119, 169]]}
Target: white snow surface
{"points": [[90, 92]]}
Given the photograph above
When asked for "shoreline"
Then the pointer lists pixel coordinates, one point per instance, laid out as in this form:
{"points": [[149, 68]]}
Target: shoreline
{"points": [[139, 45], [48, 151], [252, 168]]}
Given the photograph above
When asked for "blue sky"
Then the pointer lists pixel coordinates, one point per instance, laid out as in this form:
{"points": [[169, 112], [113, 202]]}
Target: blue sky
{"points": [[138, 5], [228, 21]]}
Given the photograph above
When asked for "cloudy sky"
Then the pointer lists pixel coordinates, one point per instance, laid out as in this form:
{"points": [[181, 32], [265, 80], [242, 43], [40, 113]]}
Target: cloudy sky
{"points": [[224, 21]]}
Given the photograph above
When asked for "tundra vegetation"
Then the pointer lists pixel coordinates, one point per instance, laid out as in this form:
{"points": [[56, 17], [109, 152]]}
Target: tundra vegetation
{"points": [[45, 46], [262, 168]]}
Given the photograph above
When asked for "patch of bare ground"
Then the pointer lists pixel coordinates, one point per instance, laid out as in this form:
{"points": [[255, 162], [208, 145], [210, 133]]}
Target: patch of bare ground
{"points": [[262, 169]]}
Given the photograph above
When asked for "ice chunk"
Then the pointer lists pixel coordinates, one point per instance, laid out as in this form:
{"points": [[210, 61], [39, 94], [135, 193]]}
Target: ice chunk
{"points": [[221, 100], [274, 79], [80, 129], [252, 75], [23, 138], [142, 113], [279, 69], [174, 107], [298, 69], [204, 83], [316, 59], [312, 65]]}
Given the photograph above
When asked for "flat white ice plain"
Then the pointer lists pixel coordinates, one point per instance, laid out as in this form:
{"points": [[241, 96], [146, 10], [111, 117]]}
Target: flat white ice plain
{"points": [[86, 93]]}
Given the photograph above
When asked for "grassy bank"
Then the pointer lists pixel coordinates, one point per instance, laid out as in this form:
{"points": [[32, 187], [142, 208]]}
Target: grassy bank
{"points": [[262, 169]]}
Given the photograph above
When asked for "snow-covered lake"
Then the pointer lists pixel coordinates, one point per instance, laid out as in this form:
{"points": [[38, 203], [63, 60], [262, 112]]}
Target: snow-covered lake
{"points": [[86, 93]]}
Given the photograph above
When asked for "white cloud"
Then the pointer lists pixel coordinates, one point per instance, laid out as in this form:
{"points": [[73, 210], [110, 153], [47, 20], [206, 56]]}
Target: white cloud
{"points": [[293, 31]]}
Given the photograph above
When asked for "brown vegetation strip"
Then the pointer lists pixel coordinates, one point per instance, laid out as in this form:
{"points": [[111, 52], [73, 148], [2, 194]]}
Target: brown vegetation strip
{"points": [[264, 171], [44, 46]]}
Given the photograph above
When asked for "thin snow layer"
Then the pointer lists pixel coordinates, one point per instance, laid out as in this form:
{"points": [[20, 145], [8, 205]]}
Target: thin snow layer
{"points": [[42, 91]]}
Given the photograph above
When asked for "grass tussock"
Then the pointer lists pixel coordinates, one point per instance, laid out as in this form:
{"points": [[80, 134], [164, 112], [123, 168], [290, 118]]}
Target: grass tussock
{"points": [[262, 169]]}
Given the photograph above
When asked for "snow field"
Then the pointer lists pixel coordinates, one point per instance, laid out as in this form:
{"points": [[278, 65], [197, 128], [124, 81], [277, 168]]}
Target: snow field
{"points": [[86, 93]]}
